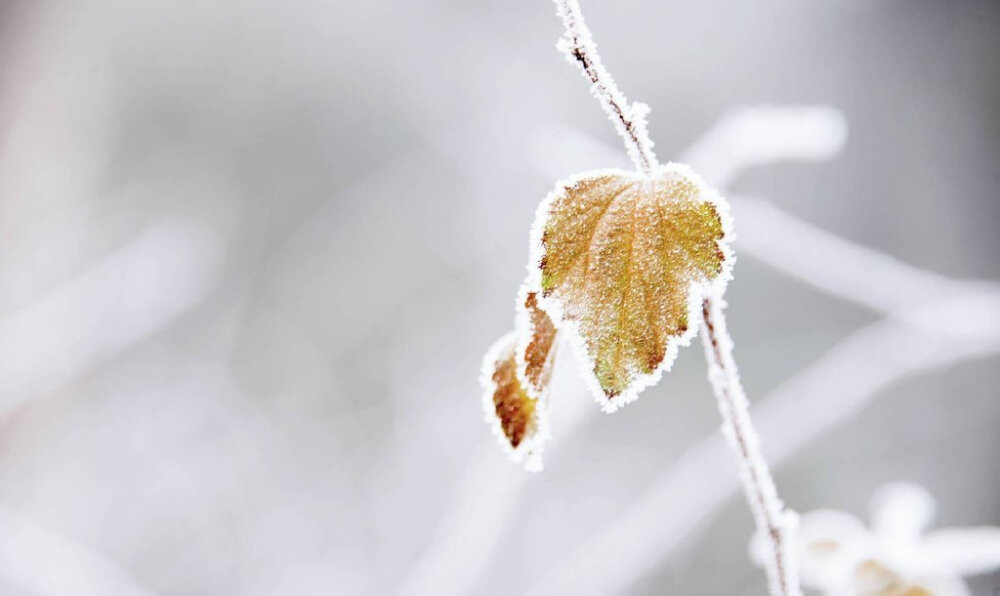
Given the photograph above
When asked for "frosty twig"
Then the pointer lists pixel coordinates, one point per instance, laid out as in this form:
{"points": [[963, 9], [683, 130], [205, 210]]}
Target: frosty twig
{"points": [[771, 519], [629, 119], [769, 516]]}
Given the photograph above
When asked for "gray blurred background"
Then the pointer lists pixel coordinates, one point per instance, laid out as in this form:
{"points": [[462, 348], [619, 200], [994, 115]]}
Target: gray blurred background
{"points": [[251, 254]]}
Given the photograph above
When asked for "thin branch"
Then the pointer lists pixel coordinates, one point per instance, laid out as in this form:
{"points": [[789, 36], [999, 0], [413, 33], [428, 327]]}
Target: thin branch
{"points": [[768, 510], [630, 119], [758, 484]]}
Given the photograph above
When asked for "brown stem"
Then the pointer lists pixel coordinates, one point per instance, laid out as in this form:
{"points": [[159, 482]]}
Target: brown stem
{"points": [[768, 510], [628, 119]]}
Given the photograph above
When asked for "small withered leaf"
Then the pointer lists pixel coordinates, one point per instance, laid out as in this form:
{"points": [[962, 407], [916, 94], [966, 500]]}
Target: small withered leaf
{"points": [[516, 375], [516, 417], [537, 342], [623, 261], [511, 403]]}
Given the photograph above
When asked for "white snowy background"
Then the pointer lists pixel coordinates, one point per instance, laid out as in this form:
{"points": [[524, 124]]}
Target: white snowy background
{"points": [[251, 254]]}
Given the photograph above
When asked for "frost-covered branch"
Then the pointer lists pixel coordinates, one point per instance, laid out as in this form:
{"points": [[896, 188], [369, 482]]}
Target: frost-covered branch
{"points": [[760, 490], [629, 119], [773, 522]]}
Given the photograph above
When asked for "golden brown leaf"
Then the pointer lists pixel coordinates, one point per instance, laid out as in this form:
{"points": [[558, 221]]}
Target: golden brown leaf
{"points": [[625, 259], [511, 403], [517, 418], [516, 374]]}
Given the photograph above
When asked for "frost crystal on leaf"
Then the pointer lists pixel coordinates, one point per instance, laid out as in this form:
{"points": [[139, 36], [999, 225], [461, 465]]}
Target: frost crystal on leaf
{"points": [[623, 260]]}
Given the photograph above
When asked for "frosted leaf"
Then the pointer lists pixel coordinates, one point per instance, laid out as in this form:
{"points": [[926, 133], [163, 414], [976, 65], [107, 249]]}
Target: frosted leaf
{"points": [[623, 260], [516, 375]]}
